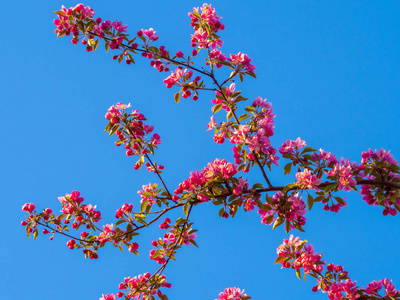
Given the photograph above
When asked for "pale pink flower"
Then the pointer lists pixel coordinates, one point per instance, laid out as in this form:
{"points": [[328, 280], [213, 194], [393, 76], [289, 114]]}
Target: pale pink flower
{"points": [[231, 294], [306, 180]]}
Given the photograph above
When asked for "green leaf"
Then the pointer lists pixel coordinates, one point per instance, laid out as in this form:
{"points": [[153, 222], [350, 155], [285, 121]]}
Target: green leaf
{"points": [[288, 187], [60, 12], [240, 98], [269, 219], [220, 97], [120, 222], [225, 63], [243, 117], [163, 297], [177, 97], [298, 227], [354, 188], [186, 209], [278, 222], [113, 130], [217, 108], [107, 45], [319, 198], [193, 242], [340, 201], [331, 187], [143, 206], [279, 259], [131, 58], [287, 168], [229, 115], [221, 212], [257, 186], [196, 14], [250, 109], [120, 58], [96, 44], [310, 201], [308, 149], [298, 273], [287, 226], [252, 74]]}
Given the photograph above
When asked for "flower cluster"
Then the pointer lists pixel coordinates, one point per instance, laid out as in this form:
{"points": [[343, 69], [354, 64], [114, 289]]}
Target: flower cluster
{"points": [[79, 21], [306, 180], [68, 18], [241, 61], [84, 214], [206, 24], [214, 170], [388, 200], [253, 139], [125, 210], [226, 99], [324, 156], [182, 78], [132, 132], [216, 57], [292, 209], [342, 172], [381, 156], [178, 234], [149, 194], [380, 165], [295, 254], [232, 294], [81, 214], [290, 148], [375, 286], [140, 287]]}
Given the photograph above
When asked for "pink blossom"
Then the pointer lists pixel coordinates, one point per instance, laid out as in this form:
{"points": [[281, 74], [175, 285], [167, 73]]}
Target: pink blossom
{"points": [[175, 77], [212, 124], [306, 180], [242, 59], [231, 294], [289, 146], [108, 297], [150, 33], [28, 207], [156, 139], [119, 27]]}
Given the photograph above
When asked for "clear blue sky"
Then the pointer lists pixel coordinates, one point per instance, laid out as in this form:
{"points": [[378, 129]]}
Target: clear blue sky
{"points": [[331, 70]]}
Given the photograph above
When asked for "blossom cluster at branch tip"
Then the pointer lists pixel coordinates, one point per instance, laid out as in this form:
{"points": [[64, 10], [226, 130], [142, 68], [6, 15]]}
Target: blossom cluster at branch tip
{"points": [[140, 287], [232, 294], [133, 133], [242, 60], [206, 24], [295, 254]]}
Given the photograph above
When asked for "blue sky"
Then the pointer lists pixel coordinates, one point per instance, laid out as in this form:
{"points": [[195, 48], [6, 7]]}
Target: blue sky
{"points": [[331, 70]]}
